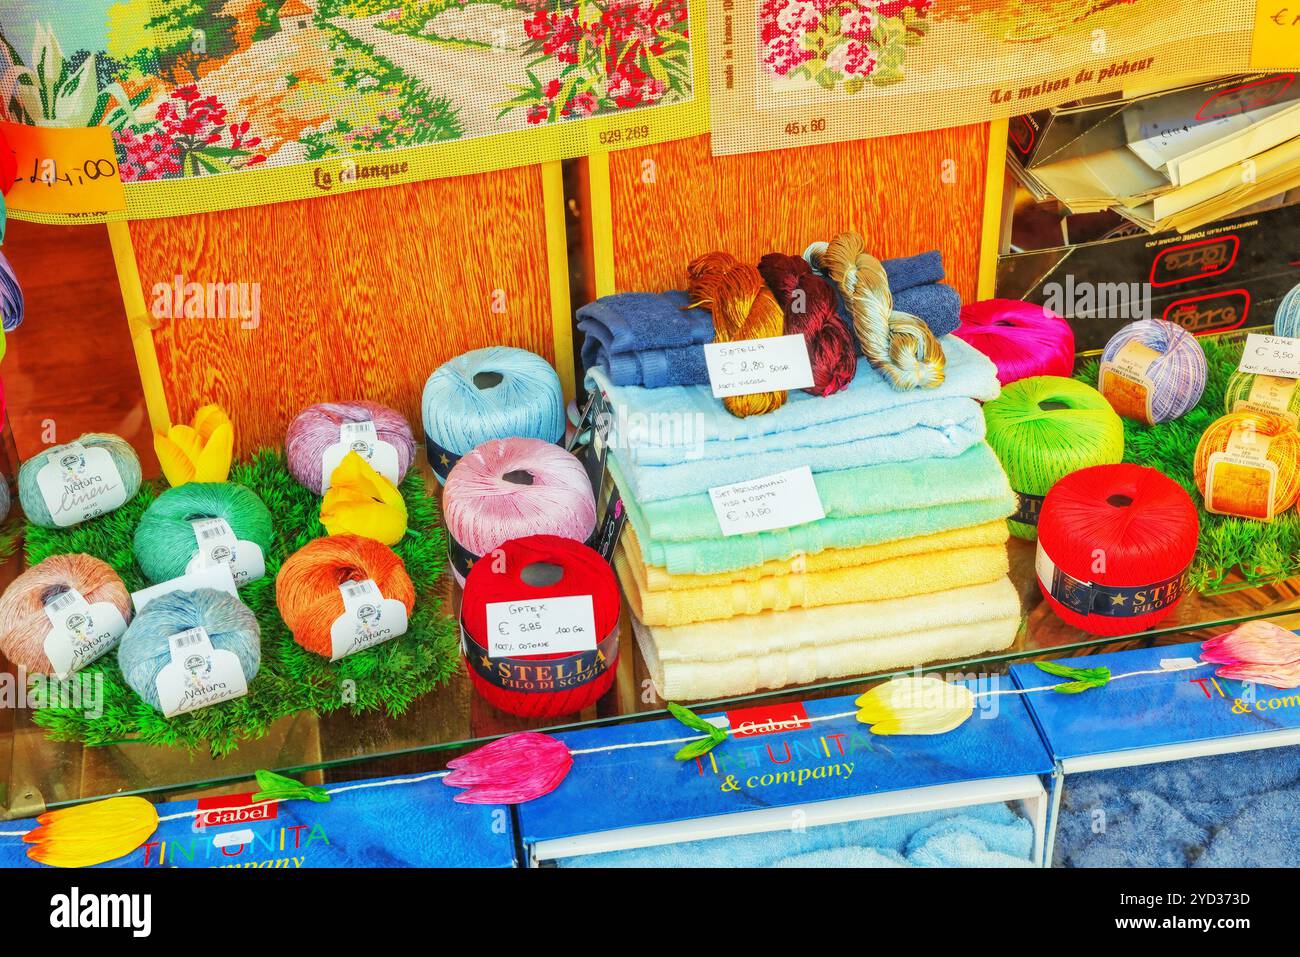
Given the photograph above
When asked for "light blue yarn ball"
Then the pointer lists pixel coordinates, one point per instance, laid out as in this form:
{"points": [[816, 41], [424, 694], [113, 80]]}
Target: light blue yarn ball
{"points": [[29, 493], [1286, 321], [230, 624], [493, 393], [1178, 377], [164, 540]]}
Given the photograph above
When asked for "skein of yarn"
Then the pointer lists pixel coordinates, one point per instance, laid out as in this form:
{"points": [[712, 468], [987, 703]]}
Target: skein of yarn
{"points": [[313, 592], [320, 435], [742, 308], [174, 666], [809, 306], [1247, 392], [1248, 464], [1144, 525], [181, 520], [1286, 320], [68, 484], [1152, 371], [486, 394], [1021, 339], [11, 297], [513, 488], [62, 614], [555, 571], [899, 345], [1046, 427]]}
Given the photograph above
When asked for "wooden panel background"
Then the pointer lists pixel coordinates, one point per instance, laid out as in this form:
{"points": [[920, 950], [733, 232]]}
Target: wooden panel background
{"points": [[362, 295], [905, 194]]}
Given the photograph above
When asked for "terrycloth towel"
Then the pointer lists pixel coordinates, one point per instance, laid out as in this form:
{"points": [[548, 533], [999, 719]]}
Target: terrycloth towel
{"points": [[909, 272], [718, 659], [920, 575]]}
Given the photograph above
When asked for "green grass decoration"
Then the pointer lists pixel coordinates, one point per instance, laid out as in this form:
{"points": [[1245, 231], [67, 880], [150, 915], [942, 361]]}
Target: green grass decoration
{"points": [[387, 677], [1260, 552]]}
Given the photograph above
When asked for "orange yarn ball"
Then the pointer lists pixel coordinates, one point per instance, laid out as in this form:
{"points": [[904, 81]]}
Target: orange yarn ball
{"points": [[307, 588], [1283, 450]]}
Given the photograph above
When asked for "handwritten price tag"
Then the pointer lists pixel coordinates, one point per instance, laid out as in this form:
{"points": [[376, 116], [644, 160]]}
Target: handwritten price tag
{"points": [[1271, 355], [758, 365], [761, 505], [64, 170], [545, 627]]}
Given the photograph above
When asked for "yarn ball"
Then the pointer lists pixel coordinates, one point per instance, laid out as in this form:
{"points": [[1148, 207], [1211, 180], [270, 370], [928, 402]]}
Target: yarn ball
{"points": [[145, 650], [492, 393], [29, 493], [513, 488], [164, 540], [23, 622], [1043, 428], [1125, 527], [531, 569], [809, 306], [1283, 449], [12, 305], [1177, 373], [307, 587], [1262, 393], [1286, 321], [1020, 338], [316, 428]]}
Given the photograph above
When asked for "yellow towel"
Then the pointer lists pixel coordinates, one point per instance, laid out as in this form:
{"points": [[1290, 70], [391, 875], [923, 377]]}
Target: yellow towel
{"points": [[894, 578]]}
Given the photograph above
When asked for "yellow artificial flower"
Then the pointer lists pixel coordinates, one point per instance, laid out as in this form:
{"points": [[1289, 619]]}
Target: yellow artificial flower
{"points": [[915, 705], [360, 501], [89, 834], [200, 452]]}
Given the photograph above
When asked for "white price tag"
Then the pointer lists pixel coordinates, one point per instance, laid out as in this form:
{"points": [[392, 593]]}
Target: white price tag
{"points": [[79, 631], [217, 545], [368, 619], [544, 627], [359, 437], [774, 501], [78, 483], [198, 674], [1271, 355], [758, 365], [219, 577]]}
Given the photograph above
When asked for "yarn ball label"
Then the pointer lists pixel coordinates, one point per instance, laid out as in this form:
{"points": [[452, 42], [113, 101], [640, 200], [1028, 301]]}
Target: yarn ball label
{"points": [[548, 626], [1270, 395], [360, 437], [79, 631], [1241, 480], [79, 483], [1028, 508], [546, 676], [198, 675], [1271, 355], [1112, 601], [442, 460], [752, 366], [217, 545], [1126, 383], [763, 504], [368, 619], [219, 577]]}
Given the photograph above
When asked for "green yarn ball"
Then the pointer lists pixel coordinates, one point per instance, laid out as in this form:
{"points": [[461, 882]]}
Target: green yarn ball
{"points": [[1238, 390], [1042, 429], [164, 540]]}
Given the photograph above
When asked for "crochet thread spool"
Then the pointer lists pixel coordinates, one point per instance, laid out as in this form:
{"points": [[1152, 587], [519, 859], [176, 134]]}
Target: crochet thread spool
{"points": [[1152, 371], [146, 647], [1247, 392], [1286, 320], [319, 429], [1021, 339], [1046, 427], [1255, 462], [1114, 545], [29, 613], [486, 394], [809, 306], [307, 589], [742, 308], [166, 540], [533, 569], [84, 479], [513, 488], [899, 345], [11, 297]]}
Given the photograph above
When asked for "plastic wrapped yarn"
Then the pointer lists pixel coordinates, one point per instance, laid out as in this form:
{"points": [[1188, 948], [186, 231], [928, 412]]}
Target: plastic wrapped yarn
{"points": [[24, 622], [492, 393], [541, 568], [11, 297], [513, 488], [1046, 427], [809, 306], [1153, 366], [315, 429], [1020, 338], [1247, 392], [123, 458], [1245, 438], [165, 542], [1286, 320], [1114, 545]]}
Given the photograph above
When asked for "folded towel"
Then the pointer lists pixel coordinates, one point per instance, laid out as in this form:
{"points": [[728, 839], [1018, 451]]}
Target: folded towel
{"points": [[908, 272], [937, 305], [637, 321]]}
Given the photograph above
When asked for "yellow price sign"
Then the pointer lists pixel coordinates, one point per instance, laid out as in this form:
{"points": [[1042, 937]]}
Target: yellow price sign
{"points": [[1276, 44], [72, 171]]}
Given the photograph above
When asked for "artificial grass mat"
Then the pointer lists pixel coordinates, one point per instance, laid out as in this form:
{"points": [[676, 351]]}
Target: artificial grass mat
{"points": [[1259, 552], [291, 679]]}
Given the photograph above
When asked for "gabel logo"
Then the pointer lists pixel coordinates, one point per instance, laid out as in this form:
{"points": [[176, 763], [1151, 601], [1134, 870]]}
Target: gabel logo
{"points": [[1198, 260], [233, 809], [1213, 312], [767, 719]]}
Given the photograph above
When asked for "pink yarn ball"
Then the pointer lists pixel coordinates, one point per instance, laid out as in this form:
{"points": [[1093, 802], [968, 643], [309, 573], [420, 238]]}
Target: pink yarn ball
{"points": [[316, 428], [1022, 339], [512, 488]]}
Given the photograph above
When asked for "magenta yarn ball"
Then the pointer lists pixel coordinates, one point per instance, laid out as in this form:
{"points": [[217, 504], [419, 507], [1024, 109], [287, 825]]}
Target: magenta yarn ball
{"points": [[1021, 339], [318, 427]]}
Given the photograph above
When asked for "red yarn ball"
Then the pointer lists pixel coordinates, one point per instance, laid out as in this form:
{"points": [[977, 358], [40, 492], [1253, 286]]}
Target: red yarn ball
{"points": [[1114, 543], [1020, 338], [831, 347], [540, 686]]}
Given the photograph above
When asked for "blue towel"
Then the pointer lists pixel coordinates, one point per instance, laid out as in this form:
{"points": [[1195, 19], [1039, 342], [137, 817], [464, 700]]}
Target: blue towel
{"points": [[908, 272]]}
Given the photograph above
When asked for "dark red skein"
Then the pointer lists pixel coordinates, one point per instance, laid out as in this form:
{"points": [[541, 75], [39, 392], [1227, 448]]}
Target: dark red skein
{"points": [[830, 344]]}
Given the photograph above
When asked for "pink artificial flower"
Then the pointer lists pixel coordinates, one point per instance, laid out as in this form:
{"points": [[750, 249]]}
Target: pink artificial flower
{"points": [[1258, 651], [511, 770]]}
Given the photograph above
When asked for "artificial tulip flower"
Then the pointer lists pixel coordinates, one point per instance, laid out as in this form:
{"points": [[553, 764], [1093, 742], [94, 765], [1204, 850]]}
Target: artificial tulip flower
{"points": [[89, 834], [360, 501], [915, 705], [1258, 651], [510, 770], [201, 452]]}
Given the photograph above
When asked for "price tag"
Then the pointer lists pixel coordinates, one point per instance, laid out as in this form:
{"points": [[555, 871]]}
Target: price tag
{"points": [[544, 627], [64, 170], [368, 619], [761, 505], [758, 365], [1271, 355]]}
